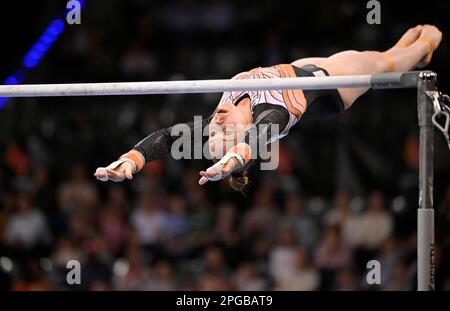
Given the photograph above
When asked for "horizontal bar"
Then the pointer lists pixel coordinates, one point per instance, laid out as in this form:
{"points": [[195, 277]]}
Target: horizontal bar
{"points": [[396, 80]]}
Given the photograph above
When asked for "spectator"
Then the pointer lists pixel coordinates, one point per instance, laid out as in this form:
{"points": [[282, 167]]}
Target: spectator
{"points": [[81, 227], [225, 228], [331, 255], [27, 227], [247, 279], [176, 218], [149, 221], [304, 277], [77, 192], [345, 281], [283, 256], [214, 262], [215, 272], [113, 221], [376, 223], [65, 251], [214, 282], [200, 217], [161, 277], [262, 217], [43, 193], [137, 275], [305, 227], [342, 215], [399, 279], [390, 255], [259, 253], [331, 252], [98, 266]]}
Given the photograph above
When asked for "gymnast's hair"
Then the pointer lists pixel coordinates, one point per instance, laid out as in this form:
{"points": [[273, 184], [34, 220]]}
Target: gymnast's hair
{"points": [[239, 181]]}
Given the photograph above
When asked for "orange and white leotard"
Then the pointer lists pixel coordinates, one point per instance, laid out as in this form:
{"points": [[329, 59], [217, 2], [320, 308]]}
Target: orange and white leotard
{"points": [[293, 100]]}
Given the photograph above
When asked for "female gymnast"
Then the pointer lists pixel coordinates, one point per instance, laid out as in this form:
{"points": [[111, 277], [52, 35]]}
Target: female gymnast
{"points": [[229, 126]]}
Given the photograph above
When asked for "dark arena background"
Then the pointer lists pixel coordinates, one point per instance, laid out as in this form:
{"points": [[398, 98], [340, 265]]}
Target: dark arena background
{"points": [[345, 193]]}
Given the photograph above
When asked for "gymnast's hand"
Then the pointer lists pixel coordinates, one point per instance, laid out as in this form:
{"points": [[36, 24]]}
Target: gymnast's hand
{"points": [[116, 172], [128, 164], [237, 157], [219, 171]]}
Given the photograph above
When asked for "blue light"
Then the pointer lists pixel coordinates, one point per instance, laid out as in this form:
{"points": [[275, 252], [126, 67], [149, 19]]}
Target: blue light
{"points": [[55, 28], [35, 55], [32, 59], [20, 75], [3, 100], [57, 25], [52, 31], [40, 47], [48, 38], [37, 52], [11, 80], [30, 63], [14, 79]]}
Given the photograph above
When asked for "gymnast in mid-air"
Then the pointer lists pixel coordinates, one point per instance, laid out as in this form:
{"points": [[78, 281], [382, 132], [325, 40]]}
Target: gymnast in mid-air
{"points": [[231, 128]]}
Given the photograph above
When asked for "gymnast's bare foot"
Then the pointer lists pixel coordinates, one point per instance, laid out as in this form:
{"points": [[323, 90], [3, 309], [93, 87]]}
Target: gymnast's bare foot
{"points": [[409, 37], [431, 37]]}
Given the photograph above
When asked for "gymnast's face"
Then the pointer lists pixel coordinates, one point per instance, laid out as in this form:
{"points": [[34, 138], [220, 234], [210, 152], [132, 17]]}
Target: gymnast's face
{"points": [[226, 128]]}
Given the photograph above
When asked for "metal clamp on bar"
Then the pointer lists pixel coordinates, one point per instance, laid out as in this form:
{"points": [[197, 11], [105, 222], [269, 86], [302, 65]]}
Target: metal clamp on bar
{"points": [[441, 107], [395, 80]]}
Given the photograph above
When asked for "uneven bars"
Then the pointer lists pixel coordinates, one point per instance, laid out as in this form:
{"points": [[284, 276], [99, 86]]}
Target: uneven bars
{"points": [[422, 80], [378, 81]]}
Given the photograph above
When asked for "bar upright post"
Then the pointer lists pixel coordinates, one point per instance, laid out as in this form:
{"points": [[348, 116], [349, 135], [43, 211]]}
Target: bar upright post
{"points": [[425, 216]]}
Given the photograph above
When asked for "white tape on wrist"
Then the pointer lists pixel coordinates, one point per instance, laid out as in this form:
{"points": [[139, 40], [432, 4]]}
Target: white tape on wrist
{"points": [[112, 166], [131, 161], [217, 168]]}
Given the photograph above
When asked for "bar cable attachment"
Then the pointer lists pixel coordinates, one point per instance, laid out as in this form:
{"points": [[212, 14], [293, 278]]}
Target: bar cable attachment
{"points": [[441, 107]]}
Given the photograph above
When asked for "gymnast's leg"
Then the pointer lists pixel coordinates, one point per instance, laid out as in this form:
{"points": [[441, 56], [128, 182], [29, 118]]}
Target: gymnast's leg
{"points": [[414, 49]]}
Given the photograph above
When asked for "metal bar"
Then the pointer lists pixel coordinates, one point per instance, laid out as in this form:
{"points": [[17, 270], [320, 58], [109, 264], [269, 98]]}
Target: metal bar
{"points": [[395, 80], [389, 80], [425, 216]]}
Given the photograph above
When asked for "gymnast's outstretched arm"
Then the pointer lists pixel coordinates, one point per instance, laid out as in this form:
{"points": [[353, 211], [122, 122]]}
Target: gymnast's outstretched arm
{"points": [[155, 146]]}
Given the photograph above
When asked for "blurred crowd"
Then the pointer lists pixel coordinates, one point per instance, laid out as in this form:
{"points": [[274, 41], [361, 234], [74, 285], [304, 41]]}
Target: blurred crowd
{"points": [[141, 237], [345, 192]]}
